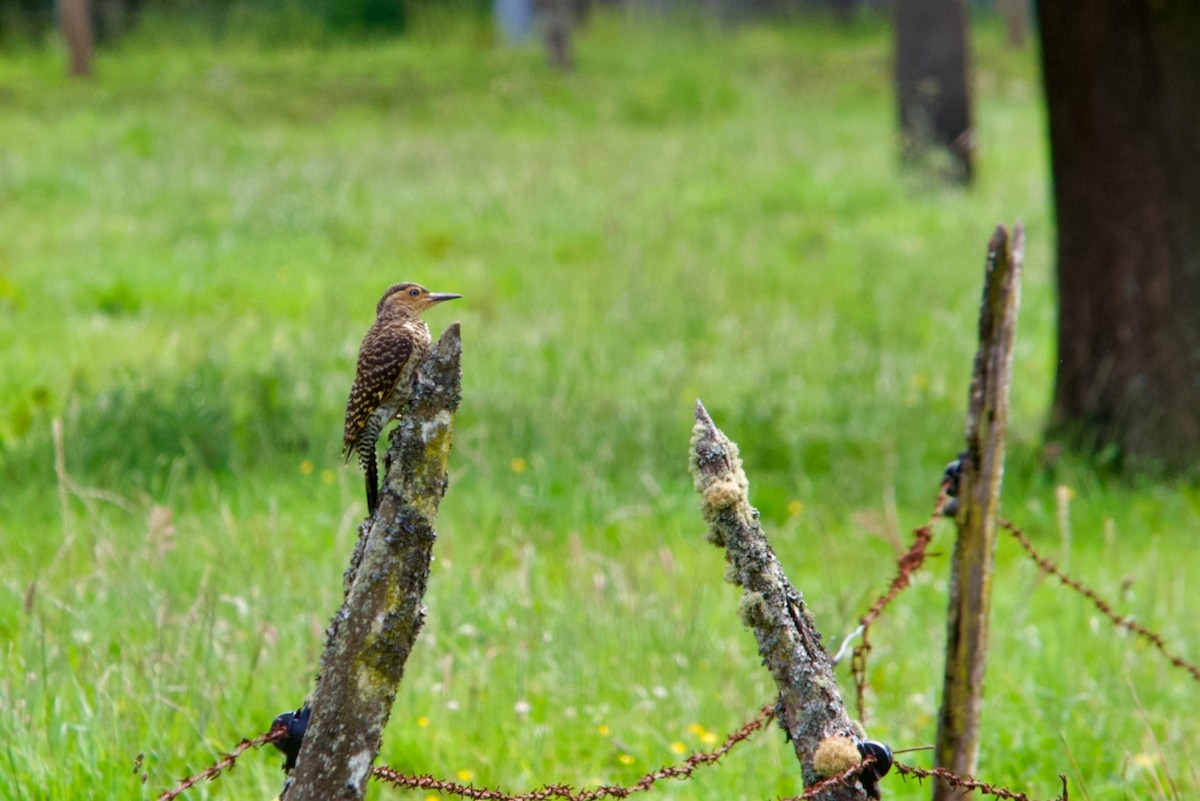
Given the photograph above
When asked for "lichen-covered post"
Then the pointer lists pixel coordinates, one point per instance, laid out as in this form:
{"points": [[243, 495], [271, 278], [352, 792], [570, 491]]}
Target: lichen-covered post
{"points": [[810, 708], [974, 557], [371, 636]]}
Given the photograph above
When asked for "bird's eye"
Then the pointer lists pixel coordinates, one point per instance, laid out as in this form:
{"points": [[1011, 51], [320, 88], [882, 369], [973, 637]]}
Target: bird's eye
{"points": [[414, 292]]}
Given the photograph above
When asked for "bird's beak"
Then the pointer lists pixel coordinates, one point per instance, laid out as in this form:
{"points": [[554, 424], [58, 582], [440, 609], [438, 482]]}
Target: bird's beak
{"points": [[438, 297]]}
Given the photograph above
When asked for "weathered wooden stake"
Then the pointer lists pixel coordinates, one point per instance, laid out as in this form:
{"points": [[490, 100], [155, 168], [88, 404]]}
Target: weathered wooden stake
{"points": [[373, 633], [978, 507], [810, 708]]}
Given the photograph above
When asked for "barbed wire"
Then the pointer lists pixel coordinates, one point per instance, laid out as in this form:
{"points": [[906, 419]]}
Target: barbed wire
{"points": [[1049, 567], [565, 792], [907, 564], [224, 763], [969, 783]]}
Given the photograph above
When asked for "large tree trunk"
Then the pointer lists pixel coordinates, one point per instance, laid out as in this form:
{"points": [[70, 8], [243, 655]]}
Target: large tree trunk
{"points": [[932, 64], [1123, 88]]}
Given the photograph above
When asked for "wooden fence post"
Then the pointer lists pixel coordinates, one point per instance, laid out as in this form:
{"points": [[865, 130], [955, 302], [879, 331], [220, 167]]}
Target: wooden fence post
{"points": [[810, 708], [372, 635], [978, 507]]}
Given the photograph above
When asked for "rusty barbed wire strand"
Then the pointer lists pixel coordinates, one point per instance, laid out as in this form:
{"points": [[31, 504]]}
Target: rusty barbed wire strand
{"points": [[858, 669], [969, 783], [224, 763], [1048, 566], [565, 792], [910, 560], [907, 564]]}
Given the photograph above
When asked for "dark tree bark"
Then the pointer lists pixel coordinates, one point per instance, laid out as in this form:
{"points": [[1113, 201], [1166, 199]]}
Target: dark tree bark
{"points": [[1123, 87], [932, 65]]}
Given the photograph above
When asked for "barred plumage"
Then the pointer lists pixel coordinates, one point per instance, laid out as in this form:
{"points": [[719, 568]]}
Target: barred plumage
{"points": [[387, 364]]}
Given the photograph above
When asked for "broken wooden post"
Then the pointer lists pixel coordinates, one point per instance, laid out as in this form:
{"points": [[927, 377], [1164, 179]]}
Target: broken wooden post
{"points": [[810, 708], [372, 635], [978, 507]]}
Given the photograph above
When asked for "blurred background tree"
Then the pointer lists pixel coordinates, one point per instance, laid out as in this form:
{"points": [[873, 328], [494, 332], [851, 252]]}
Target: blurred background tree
{"points": [[932, 83], [31, 20], [1016, 20], [75, 16]]}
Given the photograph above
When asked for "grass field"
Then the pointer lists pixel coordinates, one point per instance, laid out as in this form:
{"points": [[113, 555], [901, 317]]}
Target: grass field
{"points": [[191, 247]]}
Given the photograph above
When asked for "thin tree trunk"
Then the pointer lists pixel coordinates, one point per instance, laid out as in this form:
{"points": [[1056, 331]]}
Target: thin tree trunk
{"points": [[978, 508], [373, 633], [75, 17], [1016, 20], [932, 68], [557, 19], [1122, 83]]}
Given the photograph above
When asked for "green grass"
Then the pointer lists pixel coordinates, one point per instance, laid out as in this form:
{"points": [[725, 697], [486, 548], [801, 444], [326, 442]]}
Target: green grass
{"points": [[191, 247]]}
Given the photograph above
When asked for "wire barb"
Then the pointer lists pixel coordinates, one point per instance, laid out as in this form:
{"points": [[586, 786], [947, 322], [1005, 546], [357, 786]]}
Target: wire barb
{"points": [[970, 783], [813, 790], [565, 792], [907, 564], [224, 763], [1047, 566]]}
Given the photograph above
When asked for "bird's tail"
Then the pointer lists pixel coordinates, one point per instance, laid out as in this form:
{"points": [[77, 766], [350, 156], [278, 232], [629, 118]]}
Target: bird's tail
{"points": [[366, 459]]}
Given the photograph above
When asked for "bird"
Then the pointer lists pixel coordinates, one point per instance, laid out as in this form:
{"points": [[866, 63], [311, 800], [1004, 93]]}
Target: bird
{"points": [[387, 366]]}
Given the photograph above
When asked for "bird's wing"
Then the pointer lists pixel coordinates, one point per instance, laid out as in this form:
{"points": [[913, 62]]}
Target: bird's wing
{"points": [[381, 360]]}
